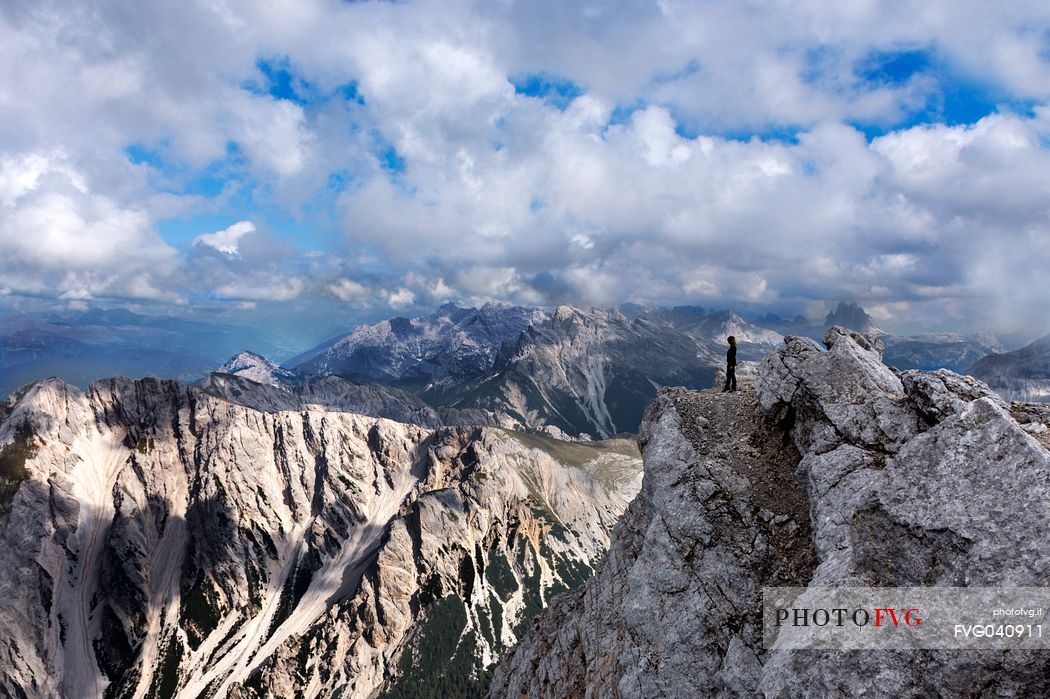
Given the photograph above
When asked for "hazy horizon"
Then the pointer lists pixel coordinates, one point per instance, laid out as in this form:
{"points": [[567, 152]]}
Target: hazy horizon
{"points": [[296, 333]]}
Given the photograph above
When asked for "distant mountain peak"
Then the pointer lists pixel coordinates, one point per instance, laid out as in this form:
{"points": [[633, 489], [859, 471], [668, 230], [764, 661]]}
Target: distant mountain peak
{"points": [[247, 357], [452, 341], [1022, 375], [257, 368], [852, 316], [566, 312]]}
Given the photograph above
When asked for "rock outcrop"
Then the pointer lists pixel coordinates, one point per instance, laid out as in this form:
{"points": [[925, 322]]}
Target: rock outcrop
{"points": [[834, 471], [159, 541]]}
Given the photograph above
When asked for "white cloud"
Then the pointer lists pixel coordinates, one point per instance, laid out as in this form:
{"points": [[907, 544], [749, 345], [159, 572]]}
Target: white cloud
{"points": [[348, 290], [261, 290], [227, 240], [76, 295], [272, 133], [503, 195], [402, 298], [59, 236]]}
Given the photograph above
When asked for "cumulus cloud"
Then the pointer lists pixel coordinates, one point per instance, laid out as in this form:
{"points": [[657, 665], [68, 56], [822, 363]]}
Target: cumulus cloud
{"points": [[59, 236], [401, 298], [692, 152], [226, 240], [274, 290], [348, 290]]}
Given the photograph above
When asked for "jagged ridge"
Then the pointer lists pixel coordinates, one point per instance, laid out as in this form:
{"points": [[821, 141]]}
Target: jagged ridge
{"points": [[928, 470], [158, 541]]}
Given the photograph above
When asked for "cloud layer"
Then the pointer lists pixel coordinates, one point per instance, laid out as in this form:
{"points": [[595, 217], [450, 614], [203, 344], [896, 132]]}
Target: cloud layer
{"points": [[386, 155]]}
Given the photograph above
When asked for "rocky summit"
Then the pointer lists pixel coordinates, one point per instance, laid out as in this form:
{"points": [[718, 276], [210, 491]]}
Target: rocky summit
{"points": [[834, 470], [158, 541], [450, 343], [588, 373]]}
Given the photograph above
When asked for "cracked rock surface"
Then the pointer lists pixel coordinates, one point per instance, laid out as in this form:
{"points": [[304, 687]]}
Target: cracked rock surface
{"points": [[835, 470], [675, 608], [158, 541]]}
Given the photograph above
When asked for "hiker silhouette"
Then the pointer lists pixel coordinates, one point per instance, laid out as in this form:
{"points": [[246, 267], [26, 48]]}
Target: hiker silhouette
{"points": [[730, 365]]}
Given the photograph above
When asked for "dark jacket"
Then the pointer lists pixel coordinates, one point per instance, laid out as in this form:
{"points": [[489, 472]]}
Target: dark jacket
{"points": [[731, 356]]}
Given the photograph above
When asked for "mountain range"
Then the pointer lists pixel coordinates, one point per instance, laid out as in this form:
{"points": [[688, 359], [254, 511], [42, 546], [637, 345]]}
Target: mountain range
{"points": [[574, 372], [165, 540], [571, 372], [359, 525], [1022, 375], [450, 343], [162, 542], [453, 358]]}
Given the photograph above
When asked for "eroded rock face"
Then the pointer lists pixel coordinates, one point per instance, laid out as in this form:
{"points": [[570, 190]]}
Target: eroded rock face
{"points": [[674, 609], [338, 394], [902, 479], [842, 395], [160, 541]]}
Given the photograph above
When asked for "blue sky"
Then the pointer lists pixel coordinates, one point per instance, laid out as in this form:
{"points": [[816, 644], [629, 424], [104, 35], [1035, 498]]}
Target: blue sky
{"points": [[357, 160]]}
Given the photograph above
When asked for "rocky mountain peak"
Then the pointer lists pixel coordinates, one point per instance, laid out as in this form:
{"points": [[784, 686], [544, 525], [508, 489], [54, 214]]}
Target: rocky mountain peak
{"points": [[449, 343], [852, 316], [566, 317], [834, 471], [258, 368], [568, 314], [160, 541]]}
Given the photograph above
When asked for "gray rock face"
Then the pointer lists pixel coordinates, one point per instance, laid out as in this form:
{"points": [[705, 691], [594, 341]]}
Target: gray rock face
{"points": [[942, 393], [450, 343], [912, 479], [257, 368], [344, 395], [844, 394], [674, 609], [589, 372], [160, 541]]}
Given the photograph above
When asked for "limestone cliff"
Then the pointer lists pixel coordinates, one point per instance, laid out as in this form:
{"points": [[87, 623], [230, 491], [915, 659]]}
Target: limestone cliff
{"points": [[834, 470], [157, 541]]}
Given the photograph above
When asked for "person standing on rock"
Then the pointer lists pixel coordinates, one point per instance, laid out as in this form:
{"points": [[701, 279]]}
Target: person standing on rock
{"points": [[730, 365]]}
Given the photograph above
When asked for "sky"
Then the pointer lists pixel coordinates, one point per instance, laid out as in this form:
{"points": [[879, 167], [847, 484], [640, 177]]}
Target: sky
{"points": [[310, 162]]}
